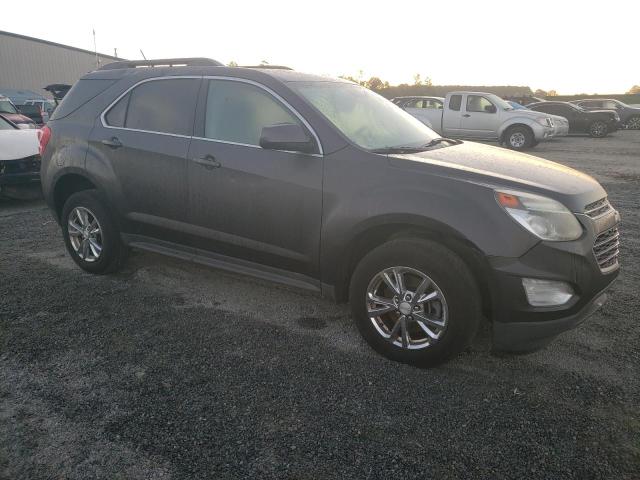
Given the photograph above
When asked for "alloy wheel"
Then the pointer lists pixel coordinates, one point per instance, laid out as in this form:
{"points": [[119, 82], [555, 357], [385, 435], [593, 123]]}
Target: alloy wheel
{"points": [[517, 140], [85, 234], [598, 129], [634, 123], [407, 308]]}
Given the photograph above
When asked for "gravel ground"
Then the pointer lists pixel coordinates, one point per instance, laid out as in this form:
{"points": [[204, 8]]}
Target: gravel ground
{"points": [[175, 371]]}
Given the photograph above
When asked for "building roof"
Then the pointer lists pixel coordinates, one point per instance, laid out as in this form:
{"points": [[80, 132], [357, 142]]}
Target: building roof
{"points": [[60, 45]]}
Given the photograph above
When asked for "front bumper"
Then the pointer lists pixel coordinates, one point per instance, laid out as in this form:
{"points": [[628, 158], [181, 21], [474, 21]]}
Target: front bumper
{"points": [[21, 173], [543, 133], [519, 326]]}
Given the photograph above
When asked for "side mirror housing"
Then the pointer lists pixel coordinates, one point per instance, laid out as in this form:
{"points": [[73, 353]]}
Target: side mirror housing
{"points": [[287, 136], [490, 108]]}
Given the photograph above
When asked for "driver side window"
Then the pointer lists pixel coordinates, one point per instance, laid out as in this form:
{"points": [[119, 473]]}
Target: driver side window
{"points": [[237, 112], [476, 103]]}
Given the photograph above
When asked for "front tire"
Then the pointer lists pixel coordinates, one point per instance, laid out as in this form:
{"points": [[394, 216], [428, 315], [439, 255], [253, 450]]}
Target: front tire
{"points": [[519, 138], [90, 233], [415, 301], [598, 129]]}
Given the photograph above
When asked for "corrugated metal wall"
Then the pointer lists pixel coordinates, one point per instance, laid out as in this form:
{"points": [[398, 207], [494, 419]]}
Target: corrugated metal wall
{"points": [[30, 64]]}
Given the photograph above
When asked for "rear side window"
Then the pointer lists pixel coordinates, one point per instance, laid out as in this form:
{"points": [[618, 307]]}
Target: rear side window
{"points": [[80, 93], [454, 102], [116, 115], [164, 106], [237, 112]]}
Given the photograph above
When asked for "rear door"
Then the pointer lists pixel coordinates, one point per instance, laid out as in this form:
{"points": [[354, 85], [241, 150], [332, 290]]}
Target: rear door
{"points": [[480, 118], [247, 202], [144, 137], [452, 116]]}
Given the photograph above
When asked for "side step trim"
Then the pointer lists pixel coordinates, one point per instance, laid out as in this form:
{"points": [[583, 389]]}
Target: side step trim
{"points": [[223, 262]]}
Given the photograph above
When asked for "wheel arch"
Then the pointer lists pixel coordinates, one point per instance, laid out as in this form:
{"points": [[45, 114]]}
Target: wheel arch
{"points": [[68, 183], [508, 127], [374, 235]]}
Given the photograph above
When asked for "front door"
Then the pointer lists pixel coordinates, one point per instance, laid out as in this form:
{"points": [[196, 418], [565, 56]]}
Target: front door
{"points": [[247, 202], [480, 118]]}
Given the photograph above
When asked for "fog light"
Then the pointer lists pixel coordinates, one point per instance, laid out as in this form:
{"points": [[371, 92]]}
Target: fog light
{"points": [[546, 293]]}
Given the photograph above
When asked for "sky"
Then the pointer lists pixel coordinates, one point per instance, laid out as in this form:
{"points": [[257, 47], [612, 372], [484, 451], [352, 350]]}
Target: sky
{"points": [[568, 46]]}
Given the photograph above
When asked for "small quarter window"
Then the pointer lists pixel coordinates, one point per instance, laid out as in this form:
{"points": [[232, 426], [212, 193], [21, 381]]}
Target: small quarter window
{"points": [[116, 115], [454, 102]]}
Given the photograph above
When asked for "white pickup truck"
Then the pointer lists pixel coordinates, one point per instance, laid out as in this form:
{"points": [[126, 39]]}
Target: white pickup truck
{"points": [[482, 116]]}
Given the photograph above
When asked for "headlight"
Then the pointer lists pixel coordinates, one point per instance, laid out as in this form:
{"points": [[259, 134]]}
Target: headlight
{"points": [[544, 121], [544, 217]]}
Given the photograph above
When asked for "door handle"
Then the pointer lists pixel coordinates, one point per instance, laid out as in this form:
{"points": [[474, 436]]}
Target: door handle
{"points": [[113, 142], [208, 161], [466, 115]]}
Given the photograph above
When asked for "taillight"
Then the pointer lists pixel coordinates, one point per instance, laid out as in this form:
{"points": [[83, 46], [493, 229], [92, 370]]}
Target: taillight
{"points": [[44, 135]]}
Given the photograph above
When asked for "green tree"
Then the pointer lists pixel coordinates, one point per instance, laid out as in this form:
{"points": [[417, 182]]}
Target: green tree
{"points": [[634, 90], [232, 64], [374, 83]]}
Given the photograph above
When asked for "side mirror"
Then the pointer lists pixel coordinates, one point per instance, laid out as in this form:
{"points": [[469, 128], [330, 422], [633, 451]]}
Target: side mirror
{"points": [[490, 108], [287, 136]]}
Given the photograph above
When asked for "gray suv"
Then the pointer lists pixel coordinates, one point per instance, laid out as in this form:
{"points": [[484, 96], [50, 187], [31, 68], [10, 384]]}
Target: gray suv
{"points": [[321, 184]]}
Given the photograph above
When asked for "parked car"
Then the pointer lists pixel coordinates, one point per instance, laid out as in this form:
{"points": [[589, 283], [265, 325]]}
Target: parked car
{"points": [[327, 186], [47, 106], [525, 100], [35, 113], [629, 116], [9, 112], [482, 116], [597, 123], [561, 124], [19, 160]]}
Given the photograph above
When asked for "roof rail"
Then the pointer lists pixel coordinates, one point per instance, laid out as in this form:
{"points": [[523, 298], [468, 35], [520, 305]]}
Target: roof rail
{"points": [[163, 62], [273, 67]]}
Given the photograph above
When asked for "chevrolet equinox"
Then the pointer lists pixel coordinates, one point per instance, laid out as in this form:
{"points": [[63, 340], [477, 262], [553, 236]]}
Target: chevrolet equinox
{"points": [[324, 185]]}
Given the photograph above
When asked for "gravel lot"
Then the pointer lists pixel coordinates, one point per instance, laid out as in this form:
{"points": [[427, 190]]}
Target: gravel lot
{"points": [[171, 370]]}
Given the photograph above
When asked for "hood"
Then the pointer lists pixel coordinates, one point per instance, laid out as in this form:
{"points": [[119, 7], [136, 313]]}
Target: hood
{"points": [[499, 167], [15, 144], [528, 113], [17, 118]]}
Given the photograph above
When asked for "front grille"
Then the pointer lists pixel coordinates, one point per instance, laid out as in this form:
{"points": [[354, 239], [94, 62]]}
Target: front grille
{"points": [[598, 208], [24, 165], [606, 248]]}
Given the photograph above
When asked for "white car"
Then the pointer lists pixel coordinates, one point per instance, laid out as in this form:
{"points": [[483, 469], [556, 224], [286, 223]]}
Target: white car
{"points": [[480, 116], [19, 161]]}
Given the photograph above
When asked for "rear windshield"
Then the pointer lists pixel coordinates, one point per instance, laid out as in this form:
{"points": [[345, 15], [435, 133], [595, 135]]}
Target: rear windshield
{"points": [[80, 93]]}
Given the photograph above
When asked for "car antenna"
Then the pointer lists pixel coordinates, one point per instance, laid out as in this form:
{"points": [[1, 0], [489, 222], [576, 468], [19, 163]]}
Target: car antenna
{"points": [[142, 53]]}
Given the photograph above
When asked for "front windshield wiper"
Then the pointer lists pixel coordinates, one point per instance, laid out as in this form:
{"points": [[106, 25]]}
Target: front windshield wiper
{"points": [[422, 148], [398, 149], [439, 140]]}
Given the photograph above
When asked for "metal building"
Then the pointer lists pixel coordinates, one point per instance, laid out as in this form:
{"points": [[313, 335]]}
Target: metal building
{"points": [[28, 63]]}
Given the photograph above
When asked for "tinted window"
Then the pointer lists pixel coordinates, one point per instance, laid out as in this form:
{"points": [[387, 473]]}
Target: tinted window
{"points": [[476, 103], [237, 112], [165, 106], [115, 116], [454, 102], [4, 125]]}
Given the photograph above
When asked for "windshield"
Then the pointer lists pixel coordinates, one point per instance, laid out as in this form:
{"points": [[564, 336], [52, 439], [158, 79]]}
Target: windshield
{"points": [[7, 107], [367, 119], [500, 103]]}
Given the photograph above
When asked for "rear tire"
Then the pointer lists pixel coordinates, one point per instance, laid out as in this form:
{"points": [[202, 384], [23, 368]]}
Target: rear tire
{"points": [[598, 129], [453, 313], [518, 138], [90, 233], [634, 123]]}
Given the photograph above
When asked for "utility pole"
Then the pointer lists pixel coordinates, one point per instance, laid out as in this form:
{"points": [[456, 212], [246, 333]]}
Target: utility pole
{"points": [[95, 48], [115, 52]]}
